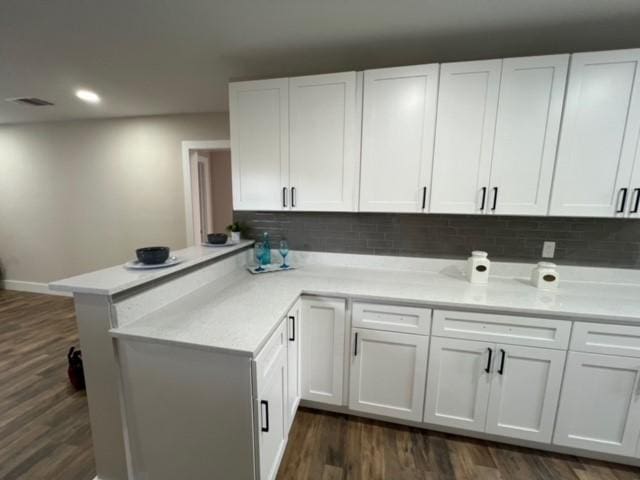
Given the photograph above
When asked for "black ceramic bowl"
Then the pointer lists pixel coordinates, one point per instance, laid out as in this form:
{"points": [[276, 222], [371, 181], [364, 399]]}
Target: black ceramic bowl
{"points": [[152, 255], [217, 238]]}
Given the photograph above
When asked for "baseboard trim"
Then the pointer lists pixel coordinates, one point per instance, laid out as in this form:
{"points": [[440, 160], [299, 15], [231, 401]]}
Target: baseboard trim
{"points": [[33, 287]]}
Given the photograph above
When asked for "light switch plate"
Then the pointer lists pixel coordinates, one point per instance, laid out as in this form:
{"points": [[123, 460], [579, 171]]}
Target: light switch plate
{"points": [[548, 249]]}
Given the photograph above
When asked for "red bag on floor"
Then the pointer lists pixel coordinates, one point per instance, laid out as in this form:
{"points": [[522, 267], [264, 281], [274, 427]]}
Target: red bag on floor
{"points": [[75, 371]]}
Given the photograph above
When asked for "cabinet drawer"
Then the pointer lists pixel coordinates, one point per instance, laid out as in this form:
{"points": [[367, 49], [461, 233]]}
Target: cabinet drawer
{"points": [[269, 354], [511, 329], [393, 318], [608, 339]]}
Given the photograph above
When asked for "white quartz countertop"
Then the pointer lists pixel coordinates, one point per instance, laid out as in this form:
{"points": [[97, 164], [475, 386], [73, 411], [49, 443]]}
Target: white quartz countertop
{"points": [[239, 313], [112, 280]]}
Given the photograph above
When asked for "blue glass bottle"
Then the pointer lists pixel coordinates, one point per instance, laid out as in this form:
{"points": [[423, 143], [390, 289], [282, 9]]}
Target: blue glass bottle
{"points": [[266, 245]]}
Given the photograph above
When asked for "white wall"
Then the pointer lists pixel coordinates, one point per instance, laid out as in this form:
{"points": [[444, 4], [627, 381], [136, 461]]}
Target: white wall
{"points": [[79, 196]]}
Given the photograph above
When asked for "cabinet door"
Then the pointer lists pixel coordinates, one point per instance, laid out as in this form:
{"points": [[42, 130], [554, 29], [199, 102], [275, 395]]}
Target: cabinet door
{"points": [[294, 386], [524, 392], [458, 383], [259, 122], [467, 105], [323, 329], [399, 115], [600, 404], [272, 411], [599, 134], [527, 129], [388, 373], [324, 141]]}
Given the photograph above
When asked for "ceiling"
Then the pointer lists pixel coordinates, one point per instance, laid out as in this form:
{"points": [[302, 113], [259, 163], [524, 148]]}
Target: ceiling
{"points": [[149, 57]]}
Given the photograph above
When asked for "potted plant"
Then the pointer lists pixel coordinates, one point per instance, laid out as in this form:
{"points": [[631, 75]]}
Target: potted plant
{"points": [[236, 229]]}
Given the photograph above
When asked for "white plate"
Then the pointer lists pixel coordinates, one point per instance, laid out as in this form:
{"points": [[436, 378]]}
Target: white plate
{"points": [[137, 265], [228, 244], [271, 268]]}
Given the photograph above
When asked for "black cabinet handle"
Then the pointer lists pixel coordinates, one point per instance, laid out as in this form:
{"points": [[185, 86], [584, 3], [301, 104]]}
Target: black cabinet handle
{"points": [[266, 408], [484, 197], [501, 369], [636, 205], [355, 346], [292, 338], [495, 198], [488, 369], [293, 196], [424, 197], [624, 200], [284, 196]]}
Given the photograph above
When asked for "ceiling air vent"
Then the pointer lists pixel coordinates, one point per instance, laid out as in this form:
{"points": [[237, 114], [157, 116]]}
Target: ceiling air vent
{"points": [[31, 101]]}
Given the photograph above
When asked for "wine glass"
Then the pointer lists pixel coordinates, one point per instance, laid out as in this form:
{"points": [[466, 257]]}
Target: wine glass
{"points": [[258, 252], [284, 251]]}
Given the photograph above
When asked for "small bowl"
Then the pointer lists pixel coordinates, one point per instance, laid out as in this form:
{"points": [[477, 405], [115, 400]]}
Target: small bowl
{"points": [[217, 238], [152, 255]]}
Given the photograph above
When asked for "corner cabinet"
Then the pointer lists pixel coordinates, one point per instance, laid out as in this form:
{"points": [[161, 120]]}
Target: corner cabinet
{"points": [[498, 125], [323, 338], [398, 128], [324, 134], [259, 123], [595, 173]]}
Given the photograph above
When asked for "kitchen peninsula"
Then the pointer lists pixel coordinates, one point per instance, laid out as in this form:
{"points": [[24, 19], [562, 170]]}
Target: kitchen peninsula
{"points": [[200, 371]]}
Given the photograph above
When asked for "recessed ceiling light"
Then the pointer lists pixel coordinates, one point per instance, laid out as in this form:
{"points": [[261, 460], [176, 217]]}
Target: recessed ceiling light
{"points": [[88, 96]]}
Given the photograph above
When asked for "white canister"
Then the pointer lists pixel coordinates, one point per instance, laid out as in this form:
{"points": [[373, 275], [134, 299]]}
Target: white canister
{"points": [[545, 276], [478, 267]]}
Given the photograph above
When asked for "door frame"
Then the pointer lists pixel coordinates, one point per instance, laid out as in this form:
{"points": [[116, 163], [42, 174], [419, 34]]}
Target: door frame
{"points": [[187, 147]]}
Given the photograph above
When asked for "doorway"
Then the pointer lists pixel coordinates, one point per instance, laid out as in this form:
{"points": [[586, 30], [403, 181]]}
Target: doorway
{"points": [[207, 184]]}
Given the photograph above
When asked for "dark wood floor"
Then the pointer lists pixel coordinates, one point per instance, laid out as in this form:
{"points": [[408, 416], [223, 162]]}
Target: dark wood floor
{"points": [[44, 424], [327, 446]]}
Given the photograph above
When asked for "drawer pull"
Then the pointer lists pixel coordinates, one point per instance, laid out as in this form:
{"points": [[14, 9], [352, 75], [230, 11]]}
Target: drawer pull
{"points": [[265, 425], [424, 197], [488, 368], [501, 369], [623, 191], [355, 346], [292, 338], [484, 197]]}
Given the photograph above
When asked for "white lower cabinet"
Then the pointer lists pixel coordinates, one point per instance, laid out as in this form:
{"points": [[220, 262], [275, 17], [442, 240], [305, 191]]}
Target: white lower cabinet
{"points": [[458, 383], [294, 387], [273, 420], [600, 405], [507, 390], [388, 373], [323, 331], [272, 424], [524, 392]]}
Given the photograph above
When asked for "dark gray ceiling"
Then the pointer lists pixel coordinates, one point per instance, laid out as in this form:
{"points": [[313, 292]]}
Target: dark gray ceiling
{"points": [[172, 56]]}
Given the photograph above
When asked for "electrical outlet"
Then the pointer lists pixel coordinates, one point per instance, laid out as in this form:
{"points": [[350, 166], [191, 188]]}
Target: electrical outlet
{"points": [[548, 249]]}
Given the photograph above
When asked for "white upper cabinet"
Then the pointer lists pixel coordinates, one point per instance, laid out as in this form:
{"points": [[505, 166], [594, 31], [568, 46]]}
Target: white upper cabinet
{"points": [[259, 122], [527, 129], [399, 115], [467, 107], [599, 139], [324, 142]]}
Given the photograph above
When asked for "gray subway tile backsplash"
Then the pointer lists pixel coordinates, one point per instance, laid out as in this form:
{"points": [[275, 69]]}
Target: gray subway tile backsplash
{"points": [[579, 241]]}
